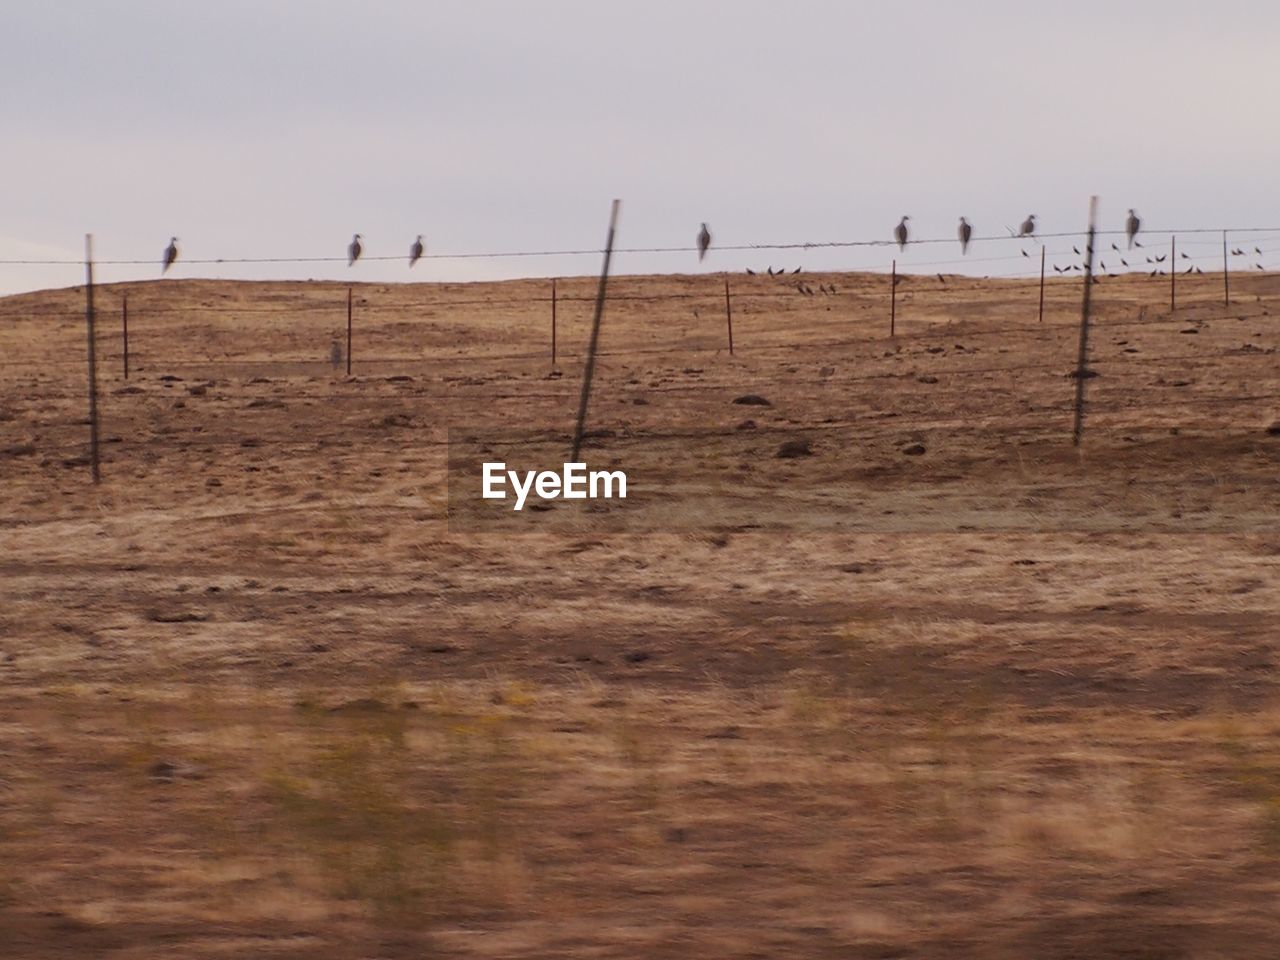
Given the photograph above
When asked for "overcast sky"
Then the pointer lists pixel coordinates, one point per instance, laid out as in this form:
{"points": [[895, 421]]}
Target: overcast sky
{"points": [[253, 128]]}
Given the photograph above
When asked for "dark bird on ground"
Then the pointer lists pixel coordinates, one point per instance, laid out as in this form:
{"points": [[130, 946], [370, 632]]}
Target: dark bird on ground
{"points": [[771, 271], [750, 272], [704, 242], [170, 254], [354, 250], [1102, 264], [416, 251], [942, 279], [1189, 270], [796, 270], [900, 233], [1131, 228], [1259, 266], [1028, 228], [965, 232], [1056, 268], [1198, 270]]}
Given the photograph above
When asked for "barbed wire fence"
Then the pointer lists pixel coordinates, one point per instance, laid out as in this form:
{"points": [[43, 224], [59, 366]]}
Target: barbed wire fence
{"points": [[1187, 262]]}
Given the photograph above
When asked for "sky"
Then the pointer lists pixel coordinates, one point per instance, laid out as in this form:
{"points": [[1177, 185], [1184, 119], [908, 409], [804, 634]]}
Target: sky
{"points": [[251, 128]]}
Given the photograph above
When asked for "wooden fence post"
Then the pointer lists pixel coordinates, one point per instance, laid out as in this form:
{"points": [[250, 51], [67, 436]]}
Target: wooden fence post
{"points": [[1042, 253], [1082, 360], [590, 369], [728, 314], [553, 323], [893, 299], [1173, 274], [124, 330], [1226, 281], [93, 358], [348, 331]]}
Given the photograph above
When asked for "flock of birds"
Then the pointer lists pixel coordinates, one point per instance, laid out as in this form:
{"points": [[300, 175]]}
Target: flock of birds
{"points": [[901, 235], [354, 249]]}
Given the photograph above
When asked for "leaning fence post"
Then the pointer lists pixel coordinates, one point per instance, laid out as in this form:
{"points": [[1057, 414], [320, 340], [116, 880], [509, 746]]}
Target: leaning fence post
{"points": [[590, 369], [728, 314], [1173, 274], [124, 331], [93, 358], [348, 331], [893, 298], [553, 323], [1083, 357]]}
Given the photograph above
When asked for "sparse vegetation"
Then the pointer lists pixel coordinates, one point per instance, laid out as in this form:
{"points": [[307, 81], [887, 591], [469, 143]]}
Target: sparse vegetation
{"points": [[292, 714]]}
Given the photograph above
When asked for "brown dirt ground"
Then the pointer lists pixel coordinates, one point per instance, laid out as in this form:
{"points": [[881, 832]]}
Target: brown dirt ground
{"points": [[1006, 698]]}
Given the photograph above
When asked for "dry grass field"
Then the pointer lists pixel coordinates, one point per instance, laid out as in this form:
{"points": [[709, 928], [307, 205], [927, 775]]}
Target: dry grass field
{"points": [[947, 687]]}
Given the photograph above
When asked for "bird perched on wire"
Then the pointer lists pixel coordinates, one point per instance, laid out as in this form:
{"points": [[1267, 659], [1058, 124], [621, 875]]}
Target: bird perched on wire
{"points": [[1131, 227], [1028, 228], [704, 242], [417, 250], [170, 254], [354, 250], [900, 233], [965, 232]]}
